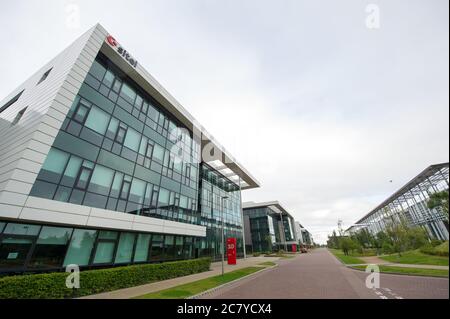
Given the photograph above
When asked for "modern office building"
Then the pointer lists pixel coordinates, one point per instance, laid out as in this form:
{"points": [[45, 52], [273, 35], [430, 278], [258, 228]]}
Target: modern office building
{"points": [[268, 227], [100, 166], [409, 204], [304, 237]]}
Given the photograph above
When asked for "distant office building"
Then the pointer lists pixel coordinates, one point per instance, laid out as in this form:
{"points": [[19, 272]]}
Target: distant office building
{"points": [[100, 166], [303, 235], [410, 204], [268, 227]]}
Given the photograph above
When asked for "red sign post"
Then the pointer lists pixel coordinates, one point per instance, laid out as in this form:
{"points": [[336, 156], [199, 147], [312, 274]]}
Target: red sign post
{"points": [[231, 251], [294, 248]]}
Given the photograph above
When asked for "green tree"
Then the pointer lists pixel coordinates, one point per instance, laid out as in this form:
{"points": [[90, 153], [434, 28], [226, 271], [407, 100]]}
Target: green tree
{"points": [[347, 244], [439, 200], [416, 237], [398, 233]]}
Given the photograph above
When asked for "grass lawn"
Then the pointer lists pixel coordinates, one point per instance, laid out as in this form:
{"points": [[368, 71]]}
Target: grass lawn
{"points": [[348, 260], [196, 287], [282, 256], [415, 257], [411, 271], [268, 264]]}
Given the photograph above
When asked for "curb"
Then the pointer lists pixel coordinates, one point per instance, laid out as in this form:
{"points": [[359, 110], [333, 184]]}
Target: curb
{"points": [[232, 282]]}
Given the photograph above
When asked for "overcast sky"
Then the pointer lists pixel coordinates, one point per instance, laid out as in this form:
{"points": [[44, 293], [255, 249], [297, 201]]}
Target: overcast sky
{"points": [[321, 109]]}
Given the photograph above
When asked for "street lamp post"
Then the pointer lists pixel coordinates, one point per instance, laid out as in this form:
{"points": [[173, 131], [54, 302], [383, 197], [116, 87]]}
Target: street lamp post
{"points": [[223, 233]]}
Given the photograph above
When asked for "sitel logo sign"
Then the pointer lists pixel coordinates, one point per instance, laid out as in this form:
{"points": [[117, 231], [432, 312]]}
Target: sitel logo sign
{"points": [[124, 53]]}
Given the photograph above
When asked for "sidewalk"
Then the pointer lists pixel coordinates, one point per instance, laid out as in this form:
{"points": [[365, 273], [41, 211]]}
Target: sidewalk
{"points": [[374, 260], [216, 269]]}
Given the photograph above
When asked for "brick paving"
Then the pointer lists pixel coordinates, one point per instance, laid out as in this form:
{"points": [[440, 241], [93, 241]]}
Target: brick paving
{"points": [[319, 275]]}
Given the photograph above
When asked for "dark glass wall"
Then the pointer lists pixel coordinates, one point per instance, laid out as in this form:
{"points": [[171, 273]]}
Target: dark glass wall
{"points": [[36, 248], [265, 226]]}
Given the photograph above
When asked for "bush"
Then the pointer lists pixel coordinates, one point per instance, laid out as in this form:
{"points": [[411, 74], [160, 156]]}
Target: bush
{"points": [[436, 242], [387, 249], [256, 254], [53, 285], [441, 250]]}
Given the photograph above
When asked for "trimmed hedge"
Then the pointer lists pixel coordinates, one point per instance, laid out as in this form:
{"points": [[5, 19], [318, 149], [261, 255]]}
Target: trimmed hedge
{"points": [[53, 285]]}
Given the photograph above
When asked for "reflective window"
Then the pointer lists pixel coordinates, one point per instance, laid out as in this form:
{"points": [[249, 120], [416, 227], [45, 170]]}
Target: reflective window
{"points": [[54, 165], [105, 247], [97, 70], [132, 140], [179, 247], [101, 180], [14, 252], [22, 229], [120, 137], [117, 185], [71, 172], [50, 247], [83, 178], [158, 153], [163, 199], [81, 112], [137, 191], [108, 235], [126, 185], [98, 120], [104, 253], [157, 248], [2, 225], [80, 247], [169, 247], [125, 248], [43, 190], [128, 93], [109, 79], [142, 248], [188, 248]]}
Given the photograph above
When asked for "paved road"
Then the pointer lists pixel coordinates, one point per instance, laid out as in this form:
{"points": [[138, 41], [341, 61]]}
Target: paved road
{"points": [[319, 275]]}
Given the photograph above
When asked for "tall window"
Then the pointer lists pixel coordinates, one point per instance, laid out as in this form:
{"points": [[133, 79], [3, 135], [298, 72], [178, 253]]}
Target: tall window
{"points": [[84, 175], [50, 247], [81, 112]]}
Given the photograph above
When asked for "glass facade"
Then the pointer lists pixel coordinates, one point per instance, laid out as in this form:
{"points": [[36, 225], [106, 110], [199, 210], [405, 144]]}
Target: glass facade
{"points": [[119, 149], [219, 195], [265, 227], [34, 248]]}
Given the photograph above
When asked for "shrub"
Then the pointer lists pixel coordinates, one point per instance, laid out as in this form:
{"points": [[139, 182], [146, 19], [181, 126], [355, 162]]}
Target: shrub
{"points": [[256, 254], [436, 242], [441, 250], [387, 249], [53, 285]]}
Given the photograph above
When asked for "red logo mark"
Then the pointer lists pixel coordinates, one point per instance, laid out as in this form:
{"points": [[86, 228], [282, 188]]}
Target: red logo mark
{"points": [[112, 41]]}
